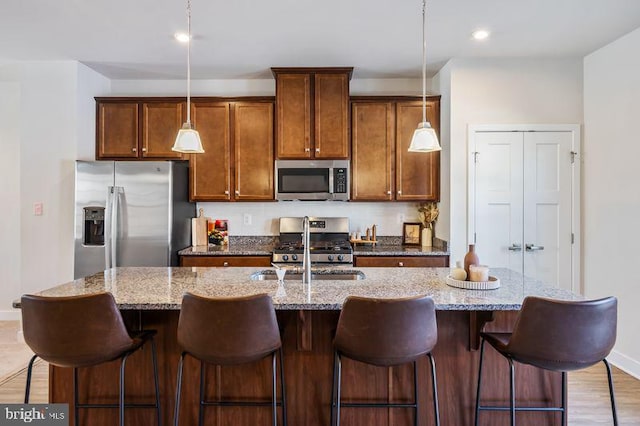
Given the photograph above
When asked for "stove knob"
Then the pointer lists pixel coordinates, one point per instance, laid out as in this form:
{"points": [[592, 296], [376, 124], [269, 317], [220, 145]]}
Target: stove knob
{"points": [[285, 257], [330, 257], [294, 256], [340, 257]]}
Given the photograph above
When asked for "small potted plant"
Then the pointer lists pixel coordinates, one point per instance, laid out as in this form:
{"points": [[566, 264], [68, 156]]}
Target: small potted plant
{"points": [[428, 213], [216, 237]]}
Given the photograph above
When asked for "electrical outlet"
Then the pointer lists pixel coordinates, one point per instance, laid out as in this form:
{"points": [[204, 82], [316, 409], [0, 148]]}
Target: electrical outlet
{"points": [[37, 209], [246, 218], [400, 217]]}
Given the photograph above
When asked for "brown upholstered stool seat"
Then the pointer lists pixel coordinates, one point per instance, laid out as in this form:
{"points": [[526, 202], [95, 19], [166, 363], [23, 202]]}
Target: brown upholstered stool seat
{"points": [[229, 331], [559, 336], [385, 332], [83, 331]]}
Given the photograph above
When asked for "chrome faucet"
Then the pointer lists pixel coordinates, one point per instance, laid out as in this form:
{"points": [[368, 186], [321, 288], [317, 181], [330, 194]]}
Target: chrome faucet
{"points": [[306, 257]]}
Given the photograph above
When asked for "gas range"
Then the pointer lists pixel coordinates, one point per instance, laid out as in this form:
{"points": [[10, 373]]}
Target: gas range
{"points": [[329, 241]]}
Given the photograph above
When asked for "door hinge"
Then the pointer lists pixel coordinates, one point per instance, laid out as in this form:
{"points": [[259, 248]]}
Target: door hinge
{"points": [[573, 156], [475, 156], [572, 238]]}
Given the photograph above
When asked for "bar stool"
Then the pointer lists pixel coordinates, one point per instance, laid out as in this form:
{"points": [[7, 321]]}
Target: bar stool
{"points": [[229, 331], [385, 332], [557, 336], [83, 331]]}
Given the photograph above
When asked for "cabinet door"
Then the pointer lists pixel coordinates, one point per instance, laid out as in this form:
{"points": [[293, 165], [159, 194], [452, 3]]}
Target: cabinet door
{"points": [[293, 121], [372, 151], [253, 149], [417, 173], [331, 116], [117, 130], [160, 124], [213, 261], [209, 173]]}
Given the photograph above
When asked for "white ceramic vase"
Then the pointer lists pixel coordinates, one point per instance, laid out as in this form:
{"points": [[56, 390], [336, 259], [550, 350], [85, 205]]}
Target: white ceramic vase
{"points": [[427, 237]]}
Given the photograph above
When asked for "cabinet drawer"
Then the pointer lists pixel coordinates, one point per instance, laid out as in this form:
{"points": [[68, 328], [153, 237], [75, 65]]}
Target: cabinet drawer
{"points": [[402, 261], [225, 261]]}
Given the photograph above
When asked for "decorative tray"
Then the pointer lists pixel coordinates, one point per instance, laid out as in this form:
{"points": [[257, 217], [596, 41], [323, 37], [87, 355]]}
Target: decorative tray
{"points": [[492, 284]]}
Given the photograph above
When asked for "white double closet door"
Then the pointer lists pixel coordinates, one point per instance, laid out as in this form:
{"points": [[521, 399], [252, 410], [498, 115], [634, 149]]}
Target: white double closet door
{"points": [[522, 196]]}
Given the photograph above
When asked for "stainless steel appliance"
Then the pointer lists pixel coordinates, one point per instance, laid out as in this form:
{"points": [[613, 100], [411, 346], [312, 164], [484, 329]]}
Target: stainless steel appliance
{"points": [[312, 180], [130, 213], [329, 240]]}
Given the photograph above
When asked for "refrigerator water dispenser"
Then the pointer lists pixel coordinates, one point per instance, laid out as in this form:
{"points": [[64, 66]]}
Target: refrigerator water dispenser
{"points": [[93, 226]]}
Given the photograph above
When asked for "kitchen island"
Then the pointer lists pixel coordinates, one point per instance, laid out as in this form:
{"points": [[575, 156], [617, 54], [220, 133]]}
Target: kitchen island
{"points": [[150, 298]]}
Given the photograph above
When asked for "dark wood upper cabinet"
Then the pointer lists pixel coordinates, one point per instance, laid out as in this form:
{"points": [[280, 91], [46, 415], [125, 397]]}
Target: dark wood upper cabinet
{"points": [[253, 148], [372, 150], [134, 128], [209, 173], [382, 169], [160, 124], [237, 164], [312, 112], [417, 173], [117, 130]]}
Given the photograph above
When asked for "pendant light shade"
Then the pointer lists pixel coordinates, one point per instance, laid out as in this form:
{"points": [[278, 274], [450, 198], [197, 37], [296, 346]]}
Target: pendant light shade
{"points": [[424, 137], [188, 139]]}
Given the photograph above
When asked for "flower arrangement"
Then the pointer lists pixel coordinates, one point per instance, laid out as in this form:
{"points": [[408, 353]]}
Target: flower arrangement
{"points": [[428, 213], [216, 237]]}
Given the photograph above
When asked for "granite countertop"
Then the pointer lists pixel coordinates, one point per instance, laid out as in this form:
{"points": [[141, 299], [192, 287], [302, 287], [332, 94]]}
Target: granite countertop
{"points": [[161, 288], [263, 246]]}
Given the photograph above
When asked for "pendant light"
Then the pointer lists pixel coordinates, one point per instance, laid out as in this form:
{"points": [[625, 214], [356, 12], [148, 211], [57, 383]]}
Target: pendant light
{"points": [[188, 139], [424, 137]]}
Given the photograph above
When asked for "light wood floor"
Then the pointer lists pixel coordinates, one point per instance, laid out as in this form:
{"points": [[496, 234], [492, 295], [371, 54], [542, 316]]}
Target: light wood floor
{"points": [[588, 394]]}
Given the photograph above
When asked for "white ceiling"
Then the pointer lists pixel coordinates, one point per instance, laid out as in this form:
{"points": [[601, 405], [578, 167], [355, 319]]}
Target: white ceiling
{"points": [[133, 39]]}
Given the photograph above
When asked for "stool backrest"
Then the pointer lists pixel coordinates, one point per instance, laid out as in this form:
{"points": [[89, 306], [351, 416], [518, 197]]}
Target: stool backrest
{"points": [[386, 331], [227, 331], [564, 335], [74, 331]]}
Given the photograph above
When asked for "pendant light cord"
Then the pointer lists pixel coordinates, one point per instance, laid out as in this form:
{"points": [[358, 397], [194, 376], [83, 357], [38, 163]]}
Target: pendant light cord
{"points": [[424, 61], [189, 63]]}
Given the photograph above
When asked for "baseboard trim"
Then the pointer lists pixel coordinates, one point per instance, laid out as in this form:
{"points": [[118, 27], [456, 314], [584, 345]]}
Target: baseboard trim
{"points": [[12, 315], [624, 363]]}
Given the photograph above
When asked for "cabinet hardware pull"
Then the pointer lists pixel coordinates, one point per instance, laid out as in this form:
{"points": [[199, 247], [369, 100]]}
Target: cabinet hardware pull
{"points": [[226, 192], [307, 150], [134, 149], [533, 247], [515, 247], [225, 264], [388, 192], [399, 192], [317, 149], [237, 192], [400, 263], [144, 149]]}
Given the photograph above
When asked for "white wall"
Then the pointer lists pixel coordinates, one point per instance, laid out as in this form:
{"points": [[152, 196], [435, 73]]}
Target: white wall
{"points": [[502, 91], [44, 122], [442, 85], [611, 197], [9, 191]]}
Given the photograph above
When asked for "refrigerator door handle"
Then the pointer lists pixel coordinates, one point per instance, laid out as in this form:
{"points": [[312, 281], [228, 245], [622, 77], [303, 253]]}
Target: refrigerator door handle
{"points": [[114, 225], [108, 225]]}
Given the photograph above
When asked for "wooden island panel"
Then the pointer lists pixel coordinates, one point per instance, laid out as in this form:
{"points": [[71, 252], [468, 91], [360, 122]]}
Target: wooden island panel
{"points": [[308, 374]]}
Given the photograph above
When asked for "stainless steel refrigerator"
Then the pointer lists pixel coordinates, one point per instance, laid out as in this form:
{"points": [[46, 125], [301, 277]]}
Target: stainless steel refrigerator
{"points": [[130, 213]]}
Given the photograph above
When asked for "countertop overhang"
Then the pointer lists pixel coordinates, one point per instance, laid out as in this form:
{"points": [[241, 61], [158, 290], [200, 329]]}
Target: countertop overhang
{"points": [[161, 288]]}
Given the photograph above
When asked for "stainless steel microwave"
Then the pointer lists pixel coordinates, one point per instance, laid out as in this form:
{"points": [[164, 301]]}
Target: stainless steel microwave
{"points": [[312, 180]]}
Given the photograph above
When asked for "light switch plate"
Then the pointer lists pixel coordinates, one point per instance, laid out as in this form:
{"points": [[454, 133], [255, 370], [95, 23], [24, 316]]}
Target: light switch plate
{"points": [[246, 218]]}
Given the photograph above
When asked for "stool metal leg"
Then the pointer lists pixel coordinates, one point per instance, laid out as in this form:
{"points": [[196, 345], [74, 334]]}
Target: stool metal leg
{"points": [[274, 405], [123, 363], [512, 392], [339, 379], [564, 399], [479, 382], [611, 393], [27, 390], [201, 405], [154, 359], [415, 392], [333, 390], [176, 410], [434, 383], [76, 409], [282, 387]]}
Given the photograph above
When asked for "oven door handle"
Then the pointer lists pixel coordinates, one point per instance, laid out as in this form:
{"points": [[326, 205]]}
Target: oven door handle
{"points": [[331, 189]]}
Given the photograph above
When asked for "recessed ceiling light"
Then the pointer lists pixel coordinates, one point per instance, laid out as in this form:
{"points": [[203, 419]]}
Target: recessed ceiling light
{"points": [[480, 34], [181, 37]]}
